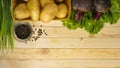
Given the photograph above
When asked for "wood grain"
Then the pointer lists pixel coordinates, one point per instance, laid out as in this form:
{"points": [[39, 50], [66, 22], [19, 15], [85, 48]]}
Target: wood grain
{"points": [[60, 63], [64, 54], [70, 43], [61, 37], [64, 48], [106, 32]]}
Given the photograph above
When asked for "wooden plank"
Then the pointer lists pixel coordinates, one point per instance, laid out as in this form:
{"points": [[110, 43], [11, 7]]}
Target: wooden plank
{"points": [[107, 32], [64, 54], [108, 37], [60, 63], [70, 43]]}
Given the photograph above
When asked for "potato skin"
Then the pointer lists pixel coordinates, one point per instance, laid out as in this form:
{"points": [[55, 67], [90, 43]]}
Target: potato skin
{"points": [[34, 8], [43, 3], [59, 0], [21, 11], [62, 11], [48, 13]]}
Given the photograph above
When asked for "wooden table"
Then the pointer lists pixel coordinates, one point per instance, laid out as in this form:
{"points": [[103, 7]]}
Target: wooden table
{"points": [[64, 48]]}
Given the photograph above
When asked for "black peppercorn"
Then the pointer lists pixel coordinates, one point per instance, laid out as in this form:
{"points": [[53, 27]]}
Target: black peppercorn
{"points": [[23, 31]]}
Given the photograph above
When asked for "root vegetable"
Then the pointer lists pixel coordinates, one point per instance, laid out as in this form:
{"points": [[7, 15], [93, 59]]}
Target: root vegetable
{"points": [[81, 7], [34, 8], [48, 13], [101, 6], [62, 11], [59, 0], [21, 11], [45, 2]]}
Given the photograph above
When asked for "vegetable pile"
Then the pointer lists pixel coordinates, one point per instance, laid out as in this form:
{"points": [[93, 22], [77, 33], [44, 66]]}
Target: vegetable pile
{"points": [[6, 24], [43, 10], [91, 15]]}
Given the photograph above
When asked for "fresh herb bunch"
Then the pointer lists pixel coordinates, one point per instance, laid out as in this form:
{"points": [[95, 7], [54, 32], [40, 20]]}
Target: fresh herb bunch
{"points": [[6, 24], [92, 25]]}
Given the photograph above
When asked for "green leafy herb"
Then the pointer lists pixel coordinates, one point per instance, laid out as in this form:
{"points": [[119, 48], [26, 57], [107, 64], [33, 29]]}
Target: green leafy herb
{"points": [[6, 24], [91, 25], [114, 11]]}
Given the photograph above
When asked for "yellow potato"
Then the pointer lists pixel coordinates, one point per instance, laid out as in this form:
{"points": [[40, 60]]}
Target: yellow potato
{"points": [[21, 11], [34, 8], [59, 0], [45, 2], [62, 11], [48, 13]]}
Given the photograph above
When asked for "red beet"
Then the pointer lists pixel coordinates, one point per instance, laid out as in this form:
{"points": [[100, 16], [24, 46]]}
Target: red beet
{"points": [[81, 6], [100, 7]]}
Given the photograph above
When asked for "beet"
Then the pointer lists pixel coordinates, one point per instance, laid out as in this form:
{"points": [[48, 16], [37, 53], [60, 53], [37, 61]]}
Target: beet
{"points": [[102, 5], [97, 15], [82, 5], [79, 16]]}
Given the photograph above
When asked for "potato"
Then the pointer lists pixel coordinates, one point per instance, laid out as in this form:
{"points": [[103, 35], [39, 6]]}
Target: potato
{"points": [[21, 11], [59, 0], [34, 8], [48, 13], [45, 2], [62, 11]]}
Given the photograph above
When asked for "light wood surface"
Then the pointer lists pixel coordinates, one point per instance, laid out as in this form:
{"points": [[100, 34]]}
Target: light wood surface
{"points": [[64, 54], [60, 64], [64, 48], [62, 37]]}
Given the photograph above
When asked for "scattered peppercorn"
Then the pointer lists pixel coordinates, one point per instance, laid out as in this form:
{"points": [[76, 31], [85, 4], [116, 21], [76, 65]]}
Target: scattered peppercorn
{"points": [[40, 25], [37, 33]]}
